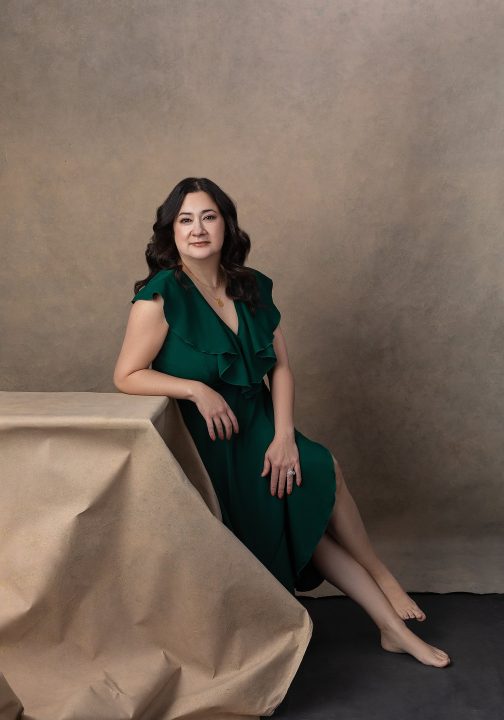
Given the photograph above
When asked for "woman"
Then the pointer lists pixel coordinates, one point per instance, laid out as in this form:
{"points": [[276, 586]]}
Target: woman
{"points": [[210, 328]]}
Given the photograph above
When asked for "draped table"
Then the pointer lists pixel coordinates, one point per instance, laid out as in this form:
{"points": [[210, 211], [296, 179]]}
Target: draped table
{"points": [[122, 593]]}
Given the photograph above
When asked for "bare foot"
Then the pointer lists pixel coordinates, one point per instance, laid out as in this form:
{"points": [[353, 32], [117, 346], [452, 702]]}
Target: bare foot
{"points": [[404, 606], [401, 639]]}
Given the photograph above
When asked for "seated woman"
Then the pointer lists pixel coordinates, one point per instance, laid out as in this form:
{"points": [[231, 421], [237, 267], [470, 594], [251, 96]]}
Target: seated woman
{"points": [[204, 330]]}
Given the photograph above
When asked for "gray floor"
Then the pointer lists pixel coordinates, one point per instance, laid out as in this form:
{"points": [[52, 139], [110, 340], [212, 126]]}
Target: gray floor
{"points": [[346, 675]]}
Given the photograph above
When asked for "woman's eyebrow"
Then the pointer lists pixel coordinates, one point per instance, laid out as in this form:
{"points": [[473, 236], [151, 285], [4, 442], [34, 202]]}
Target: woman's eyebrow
{"points": [[190, 213]]}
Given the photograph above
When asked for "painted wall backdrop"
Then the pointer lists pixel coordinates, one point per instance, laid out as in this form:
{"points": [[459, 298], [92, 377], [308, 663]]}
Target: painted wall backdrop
{"points": [[363, 142]]}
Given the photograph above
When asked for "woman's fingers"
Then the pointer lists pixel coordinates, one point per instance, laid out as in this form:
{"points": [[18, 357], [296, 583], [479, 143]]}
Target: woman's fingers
{"points": [[210, 428], [228, 427], [266, 466], [274, 479], [224, 426], [297, 468], [234, 420], [218, 426], [281, 482], [289, 480], [216, 413], [225, 422]]}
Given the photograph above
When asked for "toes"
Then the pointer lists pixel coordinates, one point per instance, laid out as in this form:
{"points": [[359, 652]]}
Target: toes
{"points": [[417, 612], [442, 657]]}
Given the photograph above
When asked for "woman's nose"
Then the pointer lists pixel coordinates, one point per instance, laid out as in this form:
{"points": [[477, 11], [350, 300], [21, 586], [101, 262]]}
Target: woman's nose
{"points": [[198, 227]]}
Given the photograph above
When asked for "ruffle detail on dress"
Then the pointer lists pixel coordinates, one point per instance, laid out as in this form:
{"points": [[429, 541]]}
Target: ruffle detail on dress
{"points": [[157, 285], [194, 321], [257, 330]]}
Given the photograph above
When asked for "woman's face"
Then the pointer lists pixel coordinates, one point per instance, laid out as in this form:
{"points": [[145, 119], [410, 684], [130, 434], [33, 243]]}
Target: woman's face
{"points": [[198, 221]]}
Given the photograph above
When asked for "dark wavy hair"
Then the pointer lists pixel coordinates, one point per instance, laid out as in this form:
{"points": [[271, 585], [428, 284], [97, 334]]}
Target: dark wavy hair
{"points": [[162, 254]]}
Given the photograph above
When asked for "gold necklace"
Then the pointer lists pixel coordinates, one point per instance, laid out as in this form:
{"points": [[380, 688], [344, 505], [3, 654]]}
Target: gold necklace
{"points": [[218, 300]]}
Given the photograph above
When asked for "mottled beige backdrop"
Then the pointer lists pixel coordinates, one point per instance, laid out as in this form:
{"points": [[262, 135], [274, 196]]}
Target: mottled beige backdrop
{"points": [[363, 142]]}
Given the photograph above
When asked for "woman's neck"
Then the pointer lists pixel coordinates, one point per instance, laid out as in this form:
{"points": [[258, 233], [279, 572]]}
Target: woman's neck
{"points": [[206, 271]]}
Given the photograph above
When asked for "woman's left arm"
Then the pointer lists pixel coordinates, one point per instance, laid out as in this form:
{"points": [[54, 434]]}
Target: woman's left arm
{"points": [[281, 381], [282, 454]]}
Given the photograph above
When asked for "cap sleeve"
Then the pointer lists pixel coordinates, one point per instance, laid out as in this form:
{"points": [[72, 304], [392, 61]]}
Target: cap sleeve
{"points": [[266, 291], [157, 285]]}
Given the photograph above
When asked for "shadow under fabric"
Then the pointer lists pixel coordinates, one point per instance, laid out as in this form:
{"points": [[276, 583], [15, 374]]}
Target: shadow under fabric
{"points": [[281, 532]]}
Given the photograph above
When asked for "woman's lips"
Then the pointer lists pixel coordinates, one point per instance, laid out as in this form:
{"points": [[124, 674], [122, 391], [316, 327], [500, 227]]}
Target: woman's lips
{"points": [[203, 242]]}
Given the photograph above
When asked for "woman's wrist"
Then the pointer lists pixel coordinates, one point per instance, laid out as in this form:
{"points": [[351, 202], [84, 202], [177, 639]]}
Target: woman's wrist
{"points": [[285, 433], [192, 389]]}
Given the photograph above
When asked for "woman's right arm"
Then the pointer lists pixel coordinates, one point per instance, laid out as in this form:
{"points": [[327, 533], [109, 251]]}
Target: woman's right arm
{"points": [[145, 333]]}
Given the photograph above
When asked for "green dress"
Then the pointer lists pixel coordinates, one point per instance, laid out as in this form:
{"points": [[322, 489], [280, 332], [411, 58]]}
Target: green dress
{"points": [[281, 532]]}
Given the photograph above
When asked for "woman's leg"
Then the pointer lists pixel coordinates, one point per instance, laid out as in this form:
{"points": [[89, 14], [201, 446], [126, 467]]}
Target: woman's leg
{"points": [[341, 569], [347, 528]]}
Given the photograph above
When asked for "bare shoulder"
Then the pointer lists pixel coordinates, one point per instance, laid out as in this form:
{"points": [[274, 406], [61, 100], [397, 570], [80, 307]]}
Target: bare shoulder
{"points": [[145, 334], [149, 311]]}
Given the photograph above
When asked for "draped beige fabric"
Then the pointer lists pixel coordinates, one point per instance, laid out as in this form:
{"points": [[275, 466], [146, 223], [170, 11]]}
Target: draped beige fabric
{"points": [[122, 594]]}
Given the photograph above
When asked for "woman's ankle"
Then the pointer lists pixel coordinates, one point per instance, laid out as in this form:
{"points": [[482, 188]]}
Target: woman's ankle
{"points": [[393, 624], [381, 573]]}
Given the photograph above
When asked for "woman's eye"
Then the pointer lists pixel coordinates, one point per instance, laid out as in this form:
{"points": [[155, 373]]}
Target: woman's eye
{"points": [[207, 217]]}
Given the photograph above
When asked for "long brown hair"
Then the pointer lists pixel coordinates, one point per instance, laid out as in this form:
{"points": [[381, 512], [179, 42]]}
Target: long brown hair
{"points": [[162, 254]]}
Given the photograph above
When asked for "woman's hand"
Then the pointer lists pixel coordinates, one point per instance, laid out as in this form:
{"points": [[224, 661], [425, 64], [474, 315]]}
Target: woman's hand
{"points": [[281, 455], [215, 411]]}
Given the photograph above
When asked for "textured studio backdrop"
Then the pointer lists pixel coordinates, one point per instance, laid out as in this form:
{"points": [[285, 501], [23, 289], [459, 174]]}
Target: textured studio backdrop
{"points": [[363, 142]]}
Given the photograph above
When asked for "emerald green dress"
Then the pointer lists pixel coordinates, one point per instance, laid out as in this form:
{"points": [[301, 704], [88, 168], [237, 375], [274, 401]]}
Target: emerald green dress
{"points": [[281, 532]]}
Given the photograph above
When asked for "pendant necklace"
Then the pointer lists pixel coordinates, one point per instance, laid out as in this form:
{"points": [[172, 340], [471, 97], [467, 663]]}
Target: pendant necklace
{"points": [[218, 300]]}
